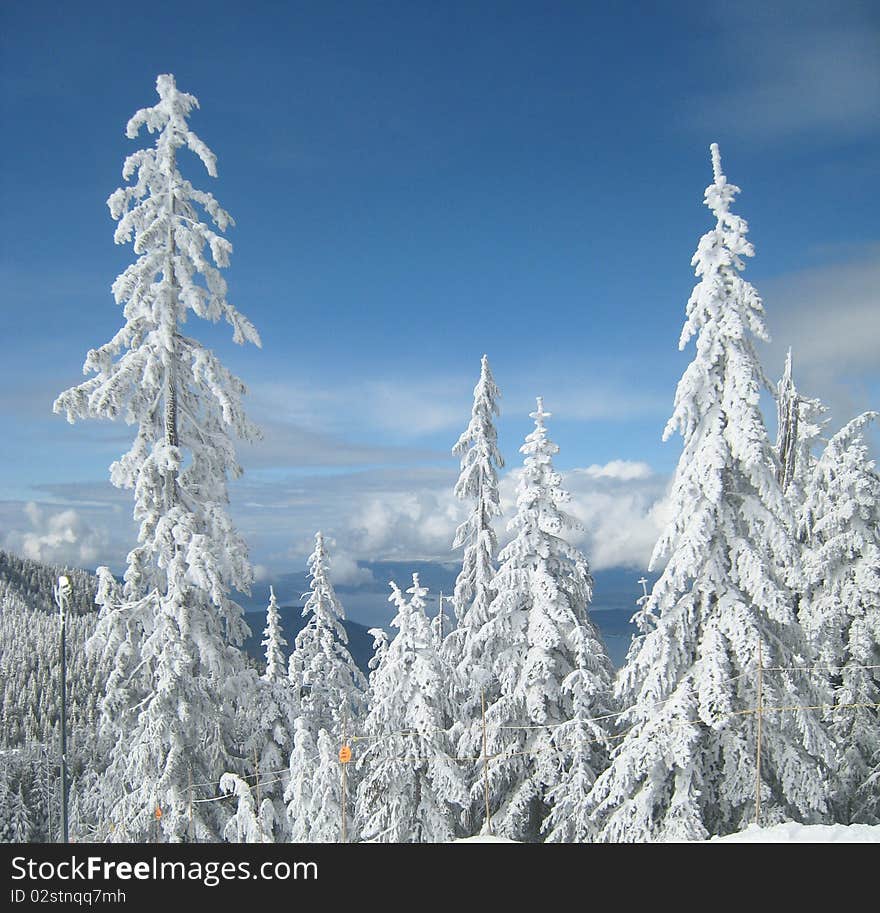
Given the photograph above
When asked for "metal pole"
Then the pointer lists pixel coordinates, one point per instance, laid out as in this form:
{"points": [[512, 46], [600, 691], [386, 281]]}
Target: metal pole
{"points": [[62, 598], [344, 766], [485, 763], [758, 739]]}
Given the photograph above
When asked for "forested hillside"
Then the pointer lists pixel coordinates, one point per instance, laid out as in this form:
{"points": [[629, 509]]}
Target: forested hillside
{"points": [[29, 671]]}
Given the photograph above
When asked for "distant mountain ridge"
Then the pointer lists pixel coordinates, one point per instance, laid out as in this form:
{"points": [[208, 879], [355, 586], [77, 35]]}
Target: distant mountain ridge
{"points": [[360, 643]]}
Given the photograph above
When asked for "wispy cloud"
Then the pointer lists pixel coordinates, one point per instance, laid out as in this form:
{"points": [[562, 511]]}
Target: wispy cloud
{"points": [[800, 68], [374, 514], [57, 536], [830, 316]]}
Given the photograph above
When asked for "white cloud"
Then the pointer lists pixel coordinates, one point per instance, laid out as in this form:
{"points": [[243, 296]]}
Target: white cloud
{"points": [[625, 470], [830, 316], [619, 511], [800, 69], [407, 407], [60, 537], [347, 572], [261, 573]]}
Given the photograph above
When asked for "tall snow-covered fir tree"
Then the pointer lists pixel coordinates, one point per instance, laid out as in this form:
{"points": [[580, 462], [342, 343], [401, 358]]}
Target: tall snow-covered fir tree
{"points": [[686, 767], [841, 611], [552, 677], [411, 788], [477, 483], [266, 721], [176, 628], [329, 683], [274, 642]]}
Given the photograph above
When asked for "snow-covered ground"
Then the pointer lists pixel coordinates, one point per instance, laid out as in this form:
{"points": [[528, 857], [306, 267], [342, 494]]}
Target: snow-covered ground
{"points": [[484, 838], [804, 833], [780, 833]]}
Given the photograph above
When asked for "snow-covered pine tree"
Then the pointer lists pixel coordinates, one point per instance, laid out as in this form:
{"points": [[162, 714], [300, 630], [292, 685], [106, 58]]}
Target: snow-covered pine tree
{"points": [[477, 483], [325, 817], [552, 675], [180, 624], [411, 789], [841, 611], [331, 687], [300, 783], [276, 665], [686, 767], [249, 824], [265, 724], [19, 819], [314, 790]]}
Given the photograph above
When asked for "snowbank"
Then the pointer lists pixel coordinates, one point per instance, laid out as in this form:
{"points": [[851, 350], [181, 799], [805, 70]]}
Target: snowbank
{"points": [[779, 833], [804, 833], [484, 838]]}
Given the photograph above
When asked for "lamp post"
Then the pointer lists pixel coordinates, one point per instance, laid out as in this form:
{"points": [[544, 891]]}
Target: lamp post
{"points": [[62, 598]]}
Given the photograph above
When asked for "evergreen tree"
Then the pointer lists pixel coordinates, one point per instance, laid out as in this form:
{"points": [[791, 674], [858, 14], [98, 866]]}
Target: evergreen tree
{"points": [[842, 610], [330, 685], [19, 818], [552, 670], [300, 783], [411, 789], [249, 824], [314, 790], [326, 810], [478, 483], [177, 628], [265, 725], [686, 766], [276, 666]]}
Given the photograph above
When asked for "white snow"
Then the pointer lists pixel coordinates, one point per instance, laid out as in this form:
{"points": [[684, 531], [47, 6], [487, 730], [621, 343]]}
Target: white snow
{"points": [[790, 832]]}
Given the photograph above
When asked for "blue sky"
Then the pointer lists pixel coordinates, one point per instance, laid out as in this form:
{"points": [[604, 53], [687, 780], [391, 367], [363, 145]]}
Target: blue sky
{"points": [[415, 184]]}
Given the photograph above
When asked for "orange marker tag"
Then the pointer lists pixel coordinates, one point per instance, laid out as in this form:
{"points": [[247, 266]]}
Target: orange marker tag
{"points": [[344, 754], [158, 813]]}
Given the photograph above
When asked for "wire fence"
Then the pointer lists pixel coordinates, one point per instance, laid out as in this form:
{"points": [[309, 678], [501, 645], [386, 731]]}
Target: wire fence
{"points": [[262, 779]]}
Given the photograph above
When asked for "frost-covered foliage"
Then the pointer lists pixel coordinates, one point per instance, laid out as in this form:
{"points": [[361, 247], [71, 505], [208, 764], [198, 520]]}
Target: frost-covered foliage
{"points": [[265, 721], [172, 633], [841, 612], [299, 791], [686, 767], [15, 821], [276, 665], [30, 695], [799, 425], [551, 675], [314, 792], [250, 823], [477, 483], [330, 685], [411, 789]]}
